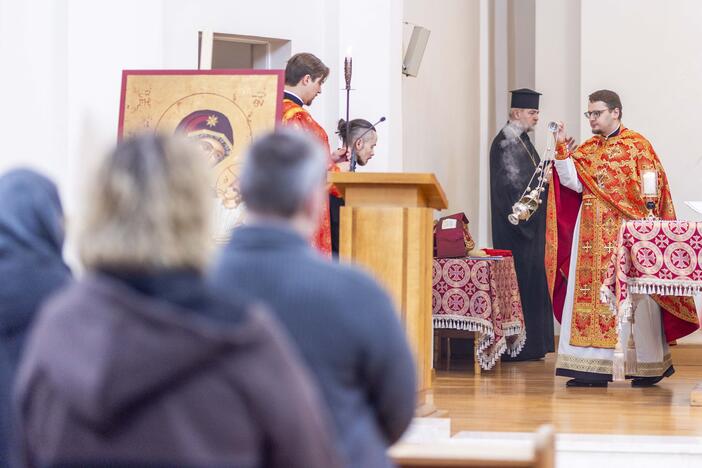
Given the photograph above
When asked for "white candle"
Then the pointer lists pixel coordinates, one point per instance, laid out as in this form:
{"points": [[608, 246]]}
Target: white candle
{"points": [[650, 183], [348, 52]]}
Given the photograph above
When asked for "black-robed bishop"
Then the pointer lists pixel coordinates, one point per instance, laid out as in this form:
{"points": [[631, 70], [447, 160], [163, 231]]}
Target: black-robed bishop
{"points": [[513, 160]]}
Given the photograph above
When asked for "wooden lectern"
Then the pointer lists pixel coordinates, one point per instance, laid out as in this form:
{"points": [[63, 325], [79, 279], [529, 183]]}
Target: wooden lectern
{"points": [[386, 226]]}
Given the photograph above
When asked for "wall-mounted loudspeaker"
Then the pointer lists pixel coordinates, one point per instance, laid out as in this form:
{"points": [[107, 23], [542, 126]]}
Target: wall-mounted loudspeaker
{"points": [[415, 51]]}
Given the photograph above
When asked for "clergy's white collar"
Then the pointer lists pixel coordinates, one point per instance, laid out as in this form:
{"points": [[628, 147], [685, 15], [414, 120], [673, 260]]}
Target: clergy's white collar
{"points": [[290, 92]]}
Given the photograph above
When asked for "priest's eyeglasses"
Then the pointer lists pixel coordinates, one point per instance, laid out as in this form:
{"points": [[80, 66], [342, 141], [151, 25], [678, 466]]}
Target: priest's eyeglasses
{"points": [[594, 114]]}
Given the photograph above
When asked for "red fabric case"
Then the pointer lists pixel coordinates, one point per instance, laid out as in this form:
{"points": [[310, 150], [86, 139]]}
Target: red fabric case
{"points": [[450, 241]]}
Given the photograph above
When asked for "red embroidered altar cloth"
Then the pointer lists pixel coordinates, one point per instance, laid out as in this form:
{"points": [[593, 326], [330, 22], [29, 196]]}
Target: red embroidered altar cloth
{"points": [[655, 257], [480, 295]]}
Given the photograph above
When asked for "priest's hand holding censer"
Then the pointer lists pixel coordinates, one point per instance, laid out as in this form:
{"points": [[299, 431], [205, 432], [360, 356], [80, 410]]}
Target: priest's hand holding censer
{"points": [[531, 198]]}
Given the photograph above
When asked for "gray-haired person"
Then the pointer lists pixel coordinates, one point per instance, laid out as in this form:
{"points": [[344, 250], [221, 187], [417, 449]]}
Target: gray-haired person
{"points": [[139, 363], [513, 161], [343, 323]]}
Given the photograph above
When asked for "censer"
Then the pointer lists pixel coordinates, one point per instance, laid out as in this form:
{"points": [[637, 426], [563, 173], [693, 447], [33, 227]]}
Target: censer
{"points": [[530, 200]]}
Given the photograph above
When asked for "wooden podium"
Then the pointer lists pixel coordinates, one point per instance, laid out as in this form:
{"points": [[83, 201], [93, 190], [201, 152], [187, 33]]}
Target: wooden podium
{"points": [[386, 226]]}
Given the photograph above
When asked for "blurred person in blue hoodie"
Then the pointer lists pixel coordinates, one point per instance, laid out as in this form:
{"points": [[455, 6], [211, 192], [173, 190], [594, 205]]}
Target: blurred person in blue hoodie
{"points": [[31, 269]]}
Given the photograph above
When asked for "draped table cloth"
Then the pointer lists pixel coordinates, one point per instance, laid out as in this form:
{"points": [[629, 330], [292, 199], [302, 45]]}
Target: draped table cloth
{"points": [[480, 295], [653, 257]]}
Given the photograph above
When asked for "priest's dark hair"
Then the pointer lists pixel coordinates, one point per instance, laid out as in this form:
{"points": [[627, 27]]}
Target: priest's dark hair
{"points": [[356, 128], [303, 64], [608, 97], [281, 170]]}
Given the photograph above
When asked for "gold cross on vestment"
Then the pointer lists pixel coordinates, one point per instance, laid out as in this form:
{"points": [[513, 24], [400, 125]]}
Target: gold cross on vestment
{"points": [[587, 247], [610, 247]]}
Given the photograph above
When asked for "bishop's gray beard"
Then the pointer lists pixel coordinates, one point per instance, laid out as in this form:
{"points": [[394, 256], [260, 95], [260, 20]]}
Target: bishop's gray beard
{"points": [[517, 125]]}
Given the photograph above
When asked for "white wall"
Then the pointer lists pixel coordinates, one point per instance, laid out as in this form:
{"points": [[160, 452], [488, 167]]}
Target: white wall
{"points": [[441, 106], [499, 78], [493, 103], [521, 37], [98, 51], [33, 92], [557, 66]]}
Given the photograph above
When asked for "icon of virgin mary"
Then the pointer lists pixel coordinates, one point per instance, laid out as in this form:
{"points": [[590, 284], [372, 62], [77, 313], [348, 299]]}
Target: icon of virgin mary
{"points": [[212, 131]]}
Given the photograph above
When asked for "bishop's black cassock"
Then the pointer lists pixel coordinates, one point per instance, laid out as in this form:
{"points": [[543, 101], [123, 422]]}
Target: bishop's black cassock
{"points": [[513, 159]]}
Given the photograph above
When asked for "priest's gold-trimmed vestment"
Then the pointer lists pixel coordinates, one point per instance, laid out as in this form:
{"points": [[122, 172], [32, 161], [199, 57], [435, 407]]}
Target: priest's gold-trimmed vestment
{"points": [[596, 188]]}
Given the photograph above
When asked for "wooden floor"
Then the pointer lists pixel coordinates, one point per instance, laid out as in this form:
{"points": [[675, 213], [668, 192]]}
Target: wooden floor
{"points": [[518, 397]]}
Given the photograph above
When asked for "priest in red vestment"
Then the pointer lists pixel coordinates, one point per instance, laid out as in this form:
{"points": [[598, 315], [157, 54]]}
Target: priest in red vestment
{"points": [[595, 188], [304, 76]]}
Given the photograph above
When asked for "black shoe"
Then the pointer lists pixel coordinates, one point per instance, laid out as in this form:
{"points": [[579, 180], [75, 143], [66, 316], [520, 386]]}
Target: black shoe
{"points": [[586, 383], [645, 381], [651, 381]]}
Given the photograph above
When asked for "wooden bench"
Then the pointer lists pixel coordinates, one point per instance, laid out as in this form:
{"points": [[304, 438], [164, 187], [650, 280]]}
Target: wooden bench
{"points": [[538, 452]]}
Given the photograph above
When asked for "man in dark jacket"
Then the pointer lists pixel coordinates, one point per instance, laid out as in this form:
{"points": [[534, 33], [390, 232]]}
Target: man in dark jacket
{"points": [[343, 323]]}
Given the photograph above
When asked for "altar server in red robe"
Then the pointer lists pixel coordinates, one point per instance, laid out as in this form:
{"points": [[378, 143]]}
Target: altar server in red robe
{"points": [[304, 76]]}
